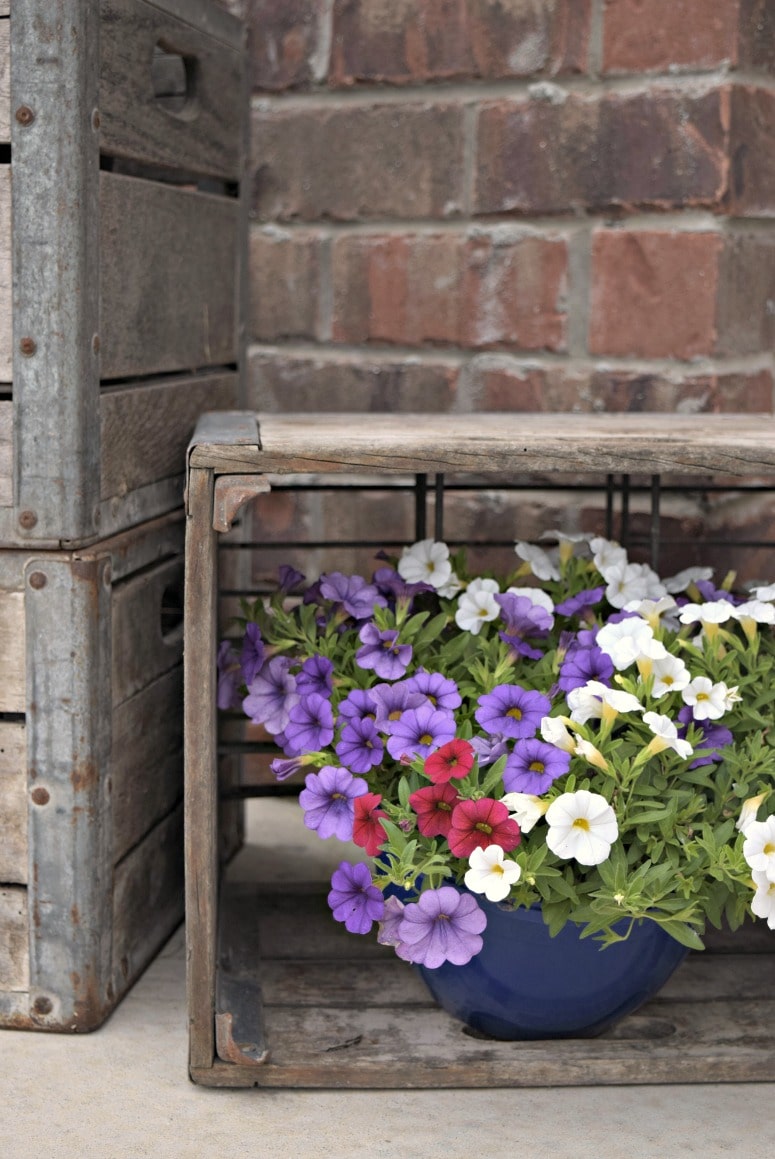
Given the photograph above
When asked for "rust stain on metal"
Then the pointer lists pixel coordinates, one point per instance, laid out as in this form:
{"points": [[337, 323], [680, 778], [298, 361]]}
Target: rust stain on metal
{"points": [[24, 115], [241, 1053], [95, 344], [88, 1008], [84, 776], [27, 520], [96, 120], [28, 346], [40, 796], [75, 915], [38, 580]]}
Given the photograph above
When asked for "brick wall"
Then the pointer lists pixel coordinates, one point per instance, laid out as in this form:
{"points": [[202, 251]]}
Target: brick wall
{"points": [[512, 204]]}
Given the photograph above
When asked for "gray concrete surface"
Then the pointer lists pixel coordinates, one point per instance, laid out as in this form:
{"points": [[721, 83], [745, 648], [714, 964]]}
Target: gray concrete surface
{"points": [[123, 1092]]}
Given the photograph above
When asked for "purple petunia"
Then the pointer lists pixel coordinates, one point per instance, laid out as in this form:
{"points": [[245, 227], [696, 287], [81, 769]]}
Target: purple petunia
{"points": [[392, 917], [356, 596], [289, 577], [317, 675], [390, 584], [584, 664], [382, 652], [419, 731], [523, 619], [533, 765], [327, 801], [713, 737], [442, 926], [440, 691], [284, 768], [310, 725], [489, 749], [392, 700], [252, 657], [360, 746], [512, 710], [354, 899], [586, 599], [271, 695], [357, 705]]}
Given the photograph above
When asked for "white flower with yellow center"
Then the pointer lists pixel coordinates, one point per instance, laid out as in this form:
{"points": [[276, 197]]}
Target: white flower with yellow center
{"points": [[629, 641], [670, 675], [759, 847], [714, 612], [753, 613], [626, 582], [683, 579], [582, 826], [606, 554], [592, 755], [449, 590], [477, 605], [665, 737], [541, 565], [595, 699], [763, 904], [491, 874], [651, 610], [525, 809], [748, 812], [708, 701], [765, 593], [554, 731], [426, 562]]}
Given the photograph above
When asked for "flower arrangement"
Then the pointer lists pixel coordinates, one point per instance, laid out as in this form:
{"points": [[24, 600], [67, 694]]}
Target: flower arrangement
{"points": [[579, 735]]}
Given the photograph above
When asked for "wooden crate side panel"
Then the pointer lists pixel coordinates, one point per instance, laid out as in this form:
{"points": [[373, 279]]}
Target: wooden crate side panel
{"points": [[13, 802], [168, 278], [147, 761], [13, 696], [147, 898], [146, 428], [5, 74], [202, 136], [6, 288], [14, 940], [143, 648], [6, 452]]}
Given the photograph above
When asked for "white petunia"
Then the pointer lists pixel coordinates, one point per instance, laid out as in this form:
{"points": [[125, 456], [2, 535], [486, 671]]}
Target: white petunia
{"points": [[606, 554], [665, 736], [651, 610], [670, 675], [525, 809], [756, 610], [765, 593], [625, 582], [566, 544], [629, 641], [426, 562], [554, 731], [592, 755], [490, 874], [708, 700], [763, 904], [449, 590], [582, 825], [748, 812], [541, 565], [714, 612], [595, 699], [759, 846], [683, 579], [477, 605]]}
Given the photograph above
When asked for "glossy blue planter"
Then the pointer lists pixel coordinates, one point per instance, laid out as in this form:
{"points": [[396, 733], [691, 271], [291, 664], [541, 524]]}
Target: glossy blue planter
{"points": [[525, 984]]}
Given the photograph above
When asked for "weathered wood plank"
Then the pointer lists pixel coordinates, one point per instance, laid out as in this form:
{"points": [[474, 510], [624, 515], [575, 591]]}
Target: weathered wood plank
{"points": [[5, 73], [13, 693], [13, 802], [142, 650], [147, 739], [166, 303], [146, 428], [6, 287], [729, 445], [140, 547], [204, 135], [6, 452], [14, 940]]}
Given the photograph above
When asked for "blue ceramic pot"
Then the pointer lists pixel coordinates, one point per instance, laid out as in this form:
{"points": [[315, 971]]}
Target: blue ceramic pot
{"points": [[525, 984]]}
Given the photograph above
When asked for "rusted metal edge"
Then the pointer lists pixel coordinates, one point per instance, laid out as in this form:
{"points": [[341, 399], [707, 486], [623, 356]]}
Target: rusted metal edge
{"points": [[223, 428], [231, 493]]}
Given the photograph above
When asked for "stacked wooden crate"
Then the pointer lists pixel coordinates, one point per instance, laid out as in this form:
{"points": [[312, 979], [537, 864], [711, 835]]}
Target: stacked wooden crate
{"points": [[121, 152]]}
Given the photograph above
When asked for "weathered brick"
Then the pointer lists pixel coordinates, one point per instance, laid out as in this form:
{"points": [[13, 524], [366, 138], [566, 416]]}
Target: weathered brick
{"points": [[746, 298], [664, 148], [288, 43], [665, 35], [653, 294], [281, 380], [413, 41], [474, 289], [757, 35], [284, 284], [352, 162], [752, 147]]}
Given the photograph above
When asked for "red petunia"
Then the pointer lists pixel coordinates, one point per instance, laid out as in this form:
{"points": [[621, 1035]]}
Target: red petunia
{"points": [[453, 759], [433, 806], [367, 824], [477, 824]]}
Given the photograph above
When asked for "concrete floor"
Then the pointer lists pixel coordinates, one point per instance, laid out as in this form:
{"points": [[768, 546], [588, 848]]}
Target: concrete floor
{"points": [[123, 1092]]}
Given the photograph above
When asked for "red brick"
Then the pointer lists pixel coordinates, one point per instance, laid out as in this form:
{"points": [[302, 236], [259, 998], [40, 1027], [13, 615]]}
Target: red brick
{"points": [[413, 41], [664, 148], [285, 42], [752, 136], [345, 163], [757, 35], [662, 35], [472, 290], [284, 284], [746, 299], [281, 380], [653, 294]]}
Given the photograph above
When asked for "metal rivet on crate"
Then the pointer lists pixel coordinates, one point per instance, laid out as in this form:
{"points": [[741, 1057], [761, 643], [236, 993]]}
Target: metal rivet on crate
{"points": [[38, 580], [40, 795], [28, 346], [27, 520], [96, 120], [24, 115], [42, 1006]]}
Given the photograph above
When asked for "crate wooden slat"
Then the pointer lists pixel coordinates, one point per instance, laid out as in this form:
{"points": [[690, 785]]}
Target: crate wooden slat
{"points": [[331, 1014]]}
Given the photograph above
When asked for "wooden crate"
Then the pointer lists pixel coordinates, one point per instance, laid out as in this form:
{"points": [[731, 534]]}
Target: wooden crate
{"points": [[317, 1008], [121, 218], [91, 771]]}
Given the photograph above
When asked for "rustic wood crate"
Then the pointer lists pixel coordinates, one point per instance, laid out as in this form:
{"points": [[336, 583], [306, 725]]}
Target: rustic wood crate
{"points": [[281, 996], [120, 255], [91, 776]]}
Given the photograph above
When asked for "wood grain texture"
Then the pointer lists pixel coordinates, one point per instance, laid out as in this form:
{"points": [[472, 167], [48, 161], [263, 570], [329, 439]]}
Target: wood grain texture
{"points": [[141, 649], [168, 278], [14, 940], [205, 135], [5, 75], [13, 691], [6, 287], [146, 428], [6, 452], [13, 802], [730, 445]]}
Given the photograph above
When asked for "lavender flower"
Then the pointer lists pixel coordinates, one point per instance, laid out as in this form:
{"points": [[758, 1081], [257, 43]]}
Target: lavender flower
{"points": [[489, 749], [317, 675], [712, 736], [284, 768], [327, 801], [419, 731], [354, 899], [252, 658], [533, 765], [271, 695], [382, 652], [523, 619], [360, 746], [584, 664], [356, 706], [310, 725], [437, 689], [392, 700], [353, 593], [288, 578], [511, 710], [586, 599], [442, 926], [392, 917], [395, 588]]}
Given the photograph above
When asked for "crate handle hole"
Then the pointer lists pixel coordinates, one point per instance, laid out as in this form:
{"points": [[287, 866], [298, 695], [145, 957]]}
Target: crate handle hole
{"points": [[172, 612], [173, 75]]}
